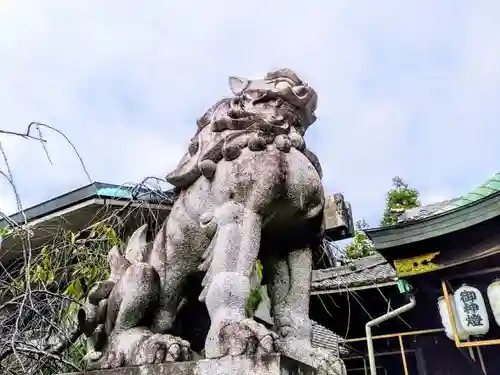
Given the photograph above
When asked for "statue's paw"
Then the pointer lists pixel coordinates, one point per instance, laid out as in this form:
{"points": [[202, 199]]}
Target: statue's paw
{"points": [[113, 359], [137, 347], [161, 348], [101, 290], [327, 362], [239, 338], [92, 356], [324, 360]]}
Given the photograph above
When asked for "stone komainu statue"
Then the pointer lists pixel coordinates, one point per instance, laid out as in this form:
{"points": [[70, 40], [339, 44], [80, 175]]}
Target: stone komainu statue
{"points": [[249, 188]]}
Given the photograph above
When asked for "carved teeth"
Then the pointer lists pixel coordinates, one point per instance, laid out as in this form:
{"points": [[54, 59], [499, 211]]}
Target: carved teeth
{"points": [[256, 143], [283, 143], [193, 147], [297, 141], [221, 124], [136, 250], [208, 168], [231, 151], [265, 126], [269, 137]]}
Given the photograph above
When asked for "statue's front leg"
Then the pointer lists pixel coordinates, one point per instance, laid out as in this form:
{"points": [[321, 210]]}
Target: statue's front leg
{"points": [[130, 308], [235, 249], [289, 291]]}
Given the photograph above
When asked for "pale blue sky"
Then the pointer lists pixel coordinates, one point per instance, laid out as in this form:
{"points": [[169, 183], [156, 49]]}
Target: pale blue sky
{"points": [[405, 87]]}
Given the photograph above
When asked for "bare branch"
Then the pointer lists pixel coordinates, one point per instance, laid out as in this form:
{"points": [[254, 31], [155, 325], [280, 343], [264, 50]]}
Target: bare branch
{"points": [[23, 135], [38, 125], [39, 329], [33, 316]]}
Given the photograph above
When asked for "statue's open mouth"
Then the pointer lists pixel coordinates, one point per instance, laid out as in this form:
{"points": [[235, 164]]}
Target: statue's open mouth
{"points": [[300, 96]]}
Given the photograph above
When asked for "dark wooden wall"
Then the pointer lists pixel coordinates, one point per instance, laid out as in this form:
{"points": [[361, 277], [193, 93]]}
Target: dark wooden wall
{"points": [[439, 356]]}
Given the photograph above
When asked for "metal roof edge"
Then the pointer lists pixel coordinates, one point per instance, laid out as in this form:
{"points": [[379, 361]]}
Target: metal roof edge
{"points": [[487, 188], [474, 213], [404, 225], [350, 289], [53, 204], [63, 201]]}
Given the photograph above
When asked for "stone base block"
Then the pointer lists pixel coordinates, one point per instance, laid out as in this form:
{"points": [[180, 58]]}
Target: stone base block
{"points": [[274, 364]]}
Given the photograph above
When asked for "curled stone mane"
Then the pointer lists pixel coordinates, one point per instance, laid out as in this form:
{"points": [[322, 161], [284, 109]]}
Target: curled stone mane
{"points": [[285, 72], [265, 112], [240, 113], [277, 109], [208, 115]]}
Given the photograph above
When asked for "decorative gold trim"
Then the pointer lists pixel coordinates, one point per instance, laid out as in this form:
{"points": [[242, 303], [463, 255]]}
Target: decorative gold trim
{"points": [[403, 355], [416, 265]]}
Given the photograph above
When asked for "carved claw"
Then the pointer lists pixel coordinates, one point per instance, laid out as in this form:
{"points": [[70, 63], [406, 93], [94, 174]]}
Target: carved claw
{"points": [[101, 290], [160, 348], [244, 337], [327, 362], [136, 250], [113, 360], [92, 356], [142, 348]]}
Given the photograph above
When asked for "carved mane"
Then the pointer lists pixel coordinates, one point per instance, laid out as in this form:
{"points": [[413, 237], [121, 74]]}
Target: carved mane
{"points": [[261, 110]]}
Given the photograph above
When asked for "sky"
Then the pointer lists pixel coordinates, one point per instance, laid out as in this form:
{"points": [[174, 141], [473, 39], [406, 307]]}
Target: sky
{"points": [[405, 88]]}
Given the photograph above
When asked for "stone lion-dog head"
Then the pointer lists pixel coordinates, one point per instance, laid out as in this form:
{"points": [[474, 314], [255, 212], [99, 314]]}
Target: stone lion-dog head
{"points": [[276, 109]]}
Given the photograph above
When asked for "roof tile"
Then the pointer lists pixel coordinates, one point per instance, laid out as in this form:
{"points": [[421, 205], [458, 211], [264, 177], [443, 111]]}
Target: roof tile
{"points": [[370, 270]]}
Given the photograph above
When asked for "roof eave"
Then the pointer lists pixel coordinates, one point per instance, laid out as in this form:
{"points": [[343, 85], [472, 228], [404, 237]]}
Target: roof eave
{"points": [[436, 225], [61, 202]]}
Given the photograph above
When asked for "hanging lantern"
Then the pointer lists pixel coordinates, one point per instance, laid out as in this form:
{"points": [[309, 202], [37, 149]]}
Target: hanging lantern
{"points": [[446, 321], [471, 310], [494, 298]]}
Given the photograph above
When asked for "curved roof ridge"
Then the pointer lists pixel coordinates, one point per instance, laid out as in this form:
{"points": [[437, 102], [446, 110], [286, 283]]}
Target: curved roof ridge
{"points": [[492, 185]]}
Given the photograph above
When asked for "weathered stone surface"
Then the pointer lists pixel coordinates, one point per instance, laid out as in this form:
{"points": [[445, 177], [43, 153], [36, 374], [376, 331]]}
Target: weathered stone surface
{"points": [[338, 216], [272, 364], [249, 188]]}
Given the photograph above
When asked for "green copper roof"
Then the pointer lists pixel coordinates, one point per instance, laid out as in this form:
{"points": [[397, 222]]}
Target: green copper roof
{"points": [[115, 192], [489, 187]]}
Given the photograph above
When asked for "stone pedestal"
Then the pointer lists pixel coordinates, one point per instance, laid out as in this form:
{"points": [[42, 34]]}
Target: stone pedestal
{"points": [[274, 364]]}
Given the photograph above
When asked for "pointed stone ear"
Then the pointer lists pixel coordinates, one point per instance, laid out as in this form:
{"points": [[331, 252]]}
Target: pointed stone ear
{"points": [[238, 85], [136, 250], [117, 264]]}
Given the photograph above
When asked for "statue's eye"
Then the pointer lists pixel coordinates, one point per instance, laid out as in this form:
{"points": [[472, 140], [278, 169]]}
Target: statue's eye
{"points": [[300, 91]]}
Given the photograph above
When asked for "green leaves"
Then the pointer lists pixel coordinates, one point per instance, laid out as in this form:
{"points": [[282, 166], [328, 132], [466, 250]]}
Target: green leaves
{"points": [[102, 231], [74, 260], [253, 301], [259, 269], [42, 275], [361, 246], [5, 231], [75, 289], [72, 238], [66, 267], [399, 198], [42, 272], [255, 297]]}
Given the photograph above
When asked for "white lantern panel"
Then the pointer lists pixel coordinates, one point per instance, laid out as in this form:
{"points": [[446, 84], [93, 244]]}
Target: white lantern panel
{"points": [[446, 320], [471, 310], [494, 298]]}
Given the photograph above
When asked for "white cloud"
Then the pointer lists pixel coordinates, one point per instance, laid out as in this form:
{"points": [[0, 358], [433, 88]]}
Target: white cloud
{"points": [[404, 89]]}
